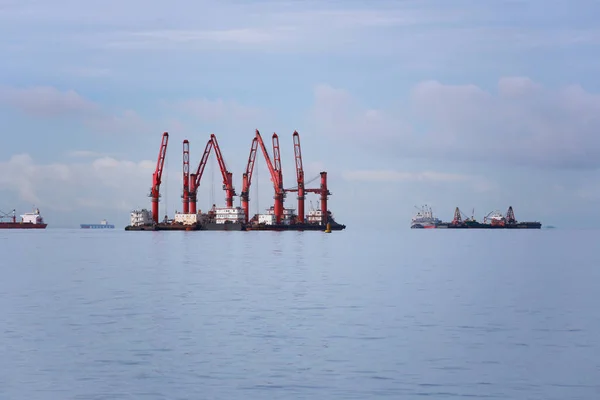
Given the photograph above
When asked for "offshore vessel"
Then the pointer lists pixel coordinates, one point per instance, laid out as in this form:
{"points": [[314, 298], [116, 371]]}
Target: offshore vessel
{"points": [[32, 220], [493, 220], [102, 225], [424, 219], [231, 218]]}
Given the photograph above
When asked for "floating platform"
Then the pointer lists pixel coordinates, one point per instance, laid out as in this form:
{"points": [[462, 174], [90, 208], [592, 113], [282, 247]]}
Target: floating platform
{"points": [[235, 227]]}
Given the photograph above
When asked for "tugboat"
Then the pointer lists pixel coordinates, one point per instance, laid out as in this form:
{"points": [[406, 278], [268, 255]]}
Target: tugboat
{"points": [[424, 219], [32, 220]]}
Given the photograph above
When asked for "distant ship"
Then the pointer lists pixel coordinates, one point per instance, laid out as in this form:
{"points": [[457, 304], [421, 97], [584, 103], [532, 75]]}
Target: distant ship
{"points": [[32, 220], [102, 225], [424, 219]]}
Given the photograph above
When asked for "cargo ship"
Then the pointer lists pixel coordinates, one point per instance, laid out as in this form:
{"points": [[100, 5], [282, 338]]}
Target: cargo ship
{"points": [[32, 220], [424, 219], [102, 225]]}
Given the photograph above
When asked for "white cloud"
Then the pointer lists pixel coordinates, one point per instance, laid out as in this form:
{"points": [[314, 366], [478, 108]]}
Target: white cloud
{"points": [[218, 110], [46, 101], [83, 154], [104, 183], [521, 123], [426, 26]]}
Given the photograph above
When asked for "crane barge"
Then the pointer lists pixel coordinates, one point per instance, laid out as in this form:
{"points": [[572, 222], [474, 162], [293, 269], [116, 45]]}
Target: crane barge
{"points": [[493, 220], [237, 218]]}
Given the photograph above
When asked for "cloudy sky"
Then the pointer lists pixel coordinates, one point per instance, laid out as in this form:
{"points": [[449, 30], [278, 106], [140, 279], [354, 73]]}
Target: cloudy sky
{"points": [[469, 103]]}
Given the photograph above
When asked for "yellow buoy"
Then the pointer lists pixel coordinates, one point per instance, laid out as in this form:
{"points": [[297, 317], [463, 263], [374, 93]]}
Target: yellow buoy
{"points": [[328, 228]]}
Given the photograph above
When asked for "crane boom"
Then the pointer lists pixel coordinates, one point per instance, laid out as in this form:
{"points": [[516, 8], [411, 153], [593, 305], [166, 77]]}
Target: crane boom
{"points": [[186, 176], [227, 176], [299, 176], [157, 176], [247, 178], [275, 177], [197, 177], [277, 160], [267, 158]]}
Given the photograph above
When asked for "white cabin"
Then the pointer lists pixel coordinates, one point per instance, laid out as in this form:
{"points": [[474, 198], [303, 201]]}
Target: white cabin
{"points": [[141, 217], [269, 218], [32, 217], [186, 219], [229, 215], [314, 217]]}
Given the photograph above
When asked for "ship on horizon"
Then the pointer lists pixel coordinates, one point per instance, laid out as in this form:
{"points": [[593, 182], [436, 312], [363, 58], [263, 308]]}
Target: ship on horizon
{"points": [[102, 225], [30, 220], [424, 219], [493, 220]]}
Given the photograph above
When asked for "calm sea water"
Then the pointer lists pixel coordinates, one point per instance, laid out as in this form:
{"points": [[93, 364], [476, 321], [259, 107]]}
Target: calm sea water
{"points": [[267, 315]]}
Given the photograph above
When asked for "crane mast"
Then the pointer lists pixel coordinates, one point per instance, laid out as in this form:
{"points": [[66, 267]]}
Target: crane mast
{"points": [[157, 176], [247, 179], [195, 178], [227, 176], [186, 176], [279, 191], [299, 176]]}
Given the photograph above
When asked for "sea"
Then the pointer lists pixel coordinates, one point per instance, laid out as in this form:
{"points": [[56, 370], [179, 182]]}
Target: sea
{"points": [[358, 314]]}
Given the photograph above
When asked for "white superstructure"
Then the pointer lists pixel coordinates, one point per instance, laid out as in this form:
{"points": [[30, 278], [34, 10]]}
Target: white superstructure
{"points": [[141, 217], [269, 217], [186, 219], [32, 217], [424, 218], [314, 217], [225, 215]]}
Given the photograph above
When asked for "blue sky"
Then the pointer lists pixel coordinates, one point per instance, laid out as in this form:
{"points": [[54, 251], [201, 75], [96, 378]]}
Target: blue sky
{"points": [[476, 104]]}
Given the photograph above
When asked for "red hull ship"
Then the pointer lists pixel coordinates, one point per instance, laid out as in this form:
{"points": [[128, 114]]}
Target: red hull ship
{"points": [[32, 220]]}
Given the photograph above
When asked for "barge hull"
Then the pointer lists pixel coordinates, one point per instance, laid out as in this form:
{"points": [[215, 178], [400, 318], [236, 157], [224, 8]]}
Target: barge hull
{"points": [[18, 225], [296, 227], [213, 226], [518, 225]]}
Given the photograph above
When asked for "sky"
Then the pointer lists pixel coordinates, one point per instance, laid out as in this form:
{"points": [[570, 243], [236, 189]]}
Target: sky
{"points": [[466, 103]]}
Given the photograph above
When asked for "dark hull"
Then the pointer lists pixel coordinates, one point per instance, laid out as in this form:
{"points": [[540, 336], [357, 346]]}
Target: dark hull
{"points": [[296, 227], [212, 226], [235, 227], [163, 227], [17, 225], [477, 225]]}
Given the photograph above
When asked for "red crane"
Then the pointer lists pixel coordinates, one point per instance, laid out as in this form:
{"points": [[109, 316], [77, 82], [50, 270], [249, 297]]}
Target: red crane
{"points": [[195, 178], [186, 176], [157, 176], [299, 176], [324, 192], [227, 176], [275, 175], [247, 178]]}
